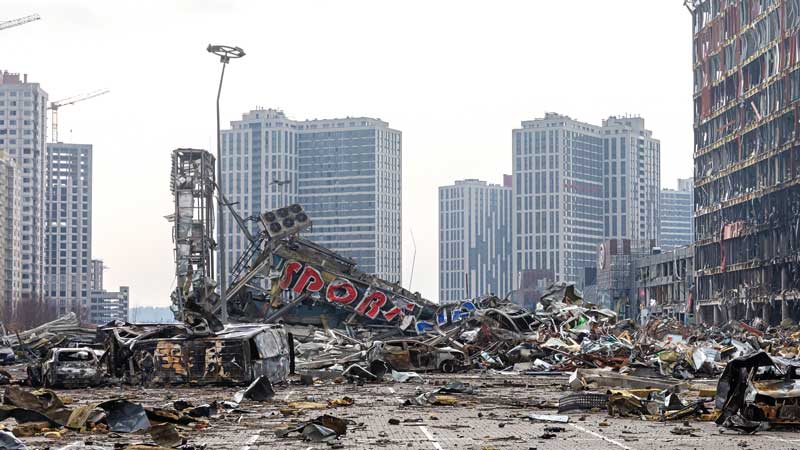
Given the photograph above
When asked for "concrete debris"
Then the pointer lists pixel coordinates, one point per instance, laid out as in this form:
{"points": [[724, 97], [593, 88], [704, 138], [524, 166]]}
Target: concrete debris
{"points": [[10, 442]]}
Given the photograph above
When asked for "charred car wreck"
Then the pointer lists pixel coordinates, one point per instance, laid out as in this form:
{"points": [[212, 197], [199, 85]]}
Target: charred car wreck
{"points": [[759, 391], [67, 368], [170, 354]]}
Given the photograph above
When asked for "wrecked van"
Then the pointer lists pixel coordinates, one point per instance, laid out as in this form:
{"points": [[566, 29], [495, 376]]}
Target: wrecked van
{"points": [[169, 354]]}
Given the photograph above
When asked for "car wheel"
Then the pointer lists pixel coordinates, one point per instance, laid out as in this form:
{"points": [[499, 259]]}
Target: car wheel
{"points": [[448, 366]]}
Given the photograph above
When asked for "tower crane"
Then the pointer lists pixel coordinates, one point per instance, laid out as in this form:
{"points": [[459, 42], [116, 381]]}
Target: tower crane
{"points": [[54, 106], [18, 22]]}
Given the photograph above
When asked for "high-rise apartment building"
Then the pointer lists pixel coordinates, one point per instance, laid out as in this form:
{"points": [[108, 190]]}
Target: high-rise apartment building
{"points": [[746, 176], [677, 206], [631, 181], [557, 196], [576, 184], [474, 240], [23, 113], [69, 226], [345, 172], [10, 237]]}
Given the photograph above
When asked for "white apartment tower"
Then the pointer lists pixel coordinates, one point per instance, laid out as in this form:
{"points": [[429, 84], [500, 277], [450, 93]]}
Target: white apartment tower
{"points": [[68, 242], [345, 172], [576, 184], [23, 113], [631, 179], [474, 240], [557, 196], [10, 237]]}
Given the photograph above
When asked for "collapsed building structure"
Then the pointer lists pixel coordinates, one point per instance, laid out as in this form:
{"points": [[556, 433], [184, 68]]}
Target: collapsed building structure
{"points": [[746, 154]]}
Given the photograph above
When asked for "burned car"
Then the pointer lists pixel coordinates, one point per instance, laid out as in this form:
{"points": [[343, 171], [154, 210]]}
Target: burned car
{"points": [[67, 368], [758, 391], [411, 355]]}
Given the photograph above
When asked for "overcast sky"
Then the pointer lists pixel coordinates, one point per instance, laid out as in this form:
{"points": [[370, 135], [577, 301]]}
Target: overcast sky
{"points": [[454, 76]]}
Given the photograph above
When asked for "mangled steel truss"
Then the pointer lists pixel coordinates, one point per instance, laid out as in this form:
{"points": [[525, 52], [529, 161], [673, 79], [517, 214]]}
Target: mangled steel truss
{"points": [[194, 300]]}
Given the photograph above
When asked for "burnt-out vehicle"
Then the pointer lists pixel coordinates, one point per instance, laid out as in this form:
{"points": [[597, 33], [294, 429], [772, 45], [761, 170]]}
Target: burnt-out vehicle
{"points": [[411, 355], [758, 391], [169, 354], [67, 368]]}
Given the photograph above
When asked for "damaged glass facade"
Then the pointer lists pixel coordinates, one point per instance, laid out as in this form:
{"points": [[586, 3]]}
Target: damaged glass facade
{"points": [[746, 193]]}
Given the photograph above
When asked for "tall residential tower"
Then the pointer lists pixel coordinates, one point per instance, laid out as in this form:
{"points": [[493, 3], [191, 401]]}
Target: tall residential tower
{"points": [[345, 172], [23, 113], [10, 237], [631, 179], [557, 196], [576, 184], [69, 226], [474, 240]]}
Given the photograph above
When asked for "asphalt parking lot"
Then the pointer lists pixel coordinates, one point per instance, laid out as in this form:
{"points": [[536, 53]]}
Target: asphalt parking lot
{"points": [[495, 417]]}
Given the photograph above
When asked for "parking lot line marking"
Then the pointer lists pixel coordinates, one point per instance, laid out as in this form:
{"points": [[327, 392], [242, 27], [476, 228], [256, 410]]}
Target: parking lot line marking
{"points": [[430, 438], [251, 441], [793, 441], [609, 440]]}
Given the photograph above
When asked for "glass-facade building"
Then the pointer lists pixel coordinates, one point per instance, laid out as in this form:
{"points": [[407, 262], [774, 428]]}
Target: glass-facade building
{"points": [[576, 184], [345, 172], [677, 224], [474, 240], [631, 179], [558, 196], [68, 243]]}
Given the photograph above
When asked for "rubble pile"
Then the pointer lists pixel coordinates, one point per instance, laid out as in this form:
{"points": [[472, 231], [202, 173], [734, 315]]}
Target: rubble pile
{"points": [[30, 345]]}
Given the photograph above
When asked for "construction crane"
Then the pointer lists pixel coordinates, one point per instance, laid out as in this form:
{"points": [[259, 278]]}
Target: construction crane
{"points": [[18, 22], [54, 106]]}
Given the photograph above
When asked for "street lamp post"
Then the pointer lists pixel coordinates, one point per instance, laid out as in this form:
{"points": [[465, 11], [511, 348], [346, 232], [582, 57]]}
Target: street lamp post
{"points": [[225, 53]]}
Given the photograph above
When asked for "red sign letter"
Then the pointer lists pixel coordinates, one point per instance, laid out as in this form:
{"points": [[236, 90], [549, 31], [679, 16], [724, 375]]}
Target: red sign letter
{"points": [[291, 268], [310, 280], [393, 313], [341, 291], [370, 300]]}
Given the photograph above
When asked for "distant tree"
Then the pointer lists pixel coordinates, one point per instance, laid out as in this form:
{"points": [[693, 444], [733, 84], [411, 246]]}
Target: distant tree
{"points": [[29, 314]]}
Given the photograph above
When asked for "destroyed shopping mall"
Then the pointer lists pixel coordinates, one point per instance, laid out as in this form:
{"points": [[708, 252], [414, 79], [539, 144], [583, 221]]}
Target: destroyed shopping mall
{"points": [[306, 351]]}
